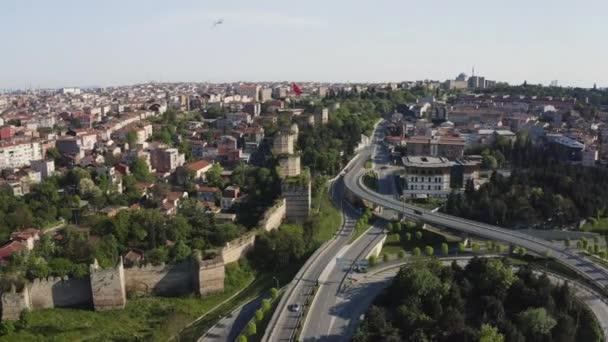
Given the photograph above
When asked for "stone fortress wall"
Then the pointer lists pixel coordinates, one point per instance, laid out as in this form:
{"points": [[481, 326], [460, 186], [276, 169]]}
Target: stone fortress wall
{"points": [[108, 288]]}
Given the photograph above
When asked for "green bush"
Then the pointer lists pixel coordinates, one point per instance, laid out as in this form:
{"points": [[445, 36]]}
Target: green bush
{"points": [[372, 260], [6, 327], [259, 315], [274, 292], [252, 329]]}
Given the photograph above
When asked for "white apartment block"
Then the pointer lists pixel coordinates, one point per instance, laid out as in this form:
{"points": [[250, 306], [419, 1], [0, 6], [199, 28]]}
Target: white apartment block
{"points": [[427, 177], [15, 155]]}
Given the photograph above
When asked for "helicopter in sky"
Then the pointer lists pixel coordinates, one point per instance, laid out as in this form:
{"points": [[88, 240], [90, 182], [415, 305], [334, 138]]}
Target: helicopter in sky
{"points": [[217, 22]]}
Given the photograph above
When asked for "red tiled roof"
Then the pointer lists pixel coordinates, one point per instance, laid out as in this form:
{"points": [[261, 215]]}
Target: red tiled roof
{"points": [[198, 165], [172, 196], [10, 248]]}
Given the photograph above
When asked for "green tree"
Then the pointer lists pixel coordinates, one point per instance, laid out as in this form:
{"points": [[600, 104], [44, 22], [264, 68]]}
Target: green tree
{"points": [[141, 171], [373, 260], [489, 162], [445, 249], [416, 252], [461, 247], [251, 329], [242, 338], [60, 267], [408, 237], [418, 235], [214, 175], [131, 138], [489, 333], [274, 292], [475, 247], [7, 327], [428, 250], [536, 322], [401, 254], [266, 305], [157, 256], [181, 251], [24, 320], [259, 315]]}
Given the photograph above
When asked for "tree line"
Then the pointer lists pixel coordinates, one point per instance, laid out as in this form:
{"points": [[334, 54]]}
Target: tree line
{"points": [[484, 301]]}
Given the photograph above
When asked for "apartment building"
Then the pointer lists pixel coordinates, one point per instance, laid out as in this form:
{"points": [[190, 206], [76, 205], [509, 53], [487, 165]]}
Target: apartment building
{"points": [[19, 154], [435, 146], [426, 177], [166, 160]]}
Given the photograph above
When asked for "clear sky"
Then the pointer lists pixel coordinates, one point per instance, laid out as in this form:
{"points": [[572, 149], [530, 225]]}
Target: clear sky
{"points": [[54, 43]]}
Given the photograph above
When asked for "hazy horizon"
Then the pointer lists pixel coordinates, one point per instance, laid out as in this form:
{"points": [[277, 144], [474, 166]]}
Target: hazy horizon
{"points": [[70, 43]]}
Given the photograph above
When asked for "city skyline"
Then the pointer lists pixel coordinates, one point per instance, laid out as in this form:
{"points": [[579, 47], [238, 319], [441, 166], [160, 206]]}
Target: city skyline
{"points": [[68, 43]]}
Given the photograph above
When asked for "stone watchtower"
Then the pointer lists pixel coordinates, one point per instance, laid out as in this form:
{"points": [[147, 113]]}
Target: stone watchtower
{"points": [[108, 286]]}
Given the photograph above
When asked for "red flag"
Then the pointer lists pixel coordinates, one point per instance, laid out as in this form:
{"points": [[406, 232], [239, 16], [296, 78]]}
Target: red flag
{"points": [[296, 89]]}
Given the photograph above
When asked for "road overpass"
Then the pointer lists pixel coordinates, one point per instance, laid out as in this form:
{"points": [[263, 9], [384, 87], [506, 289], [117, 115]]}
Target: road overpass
{"points": [[572, 259]]}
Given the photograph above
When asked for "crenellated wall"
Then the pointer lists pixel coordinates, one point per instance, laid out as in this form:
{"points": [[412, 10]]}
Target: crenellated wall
{"points": [[13, 302], [58, 292], [273, 217], [238, 248], [164, 280]]}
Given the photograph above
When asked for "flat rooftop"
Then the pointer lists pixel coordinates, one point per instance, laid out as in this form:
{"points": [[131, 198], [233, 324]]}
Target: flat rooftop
{"points": [[426, 161]]}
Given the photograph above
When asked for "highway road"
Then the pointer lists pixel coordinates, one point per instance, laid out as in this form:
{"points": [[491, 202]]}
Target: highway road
{"points": [[284, 322], [330, 314], [229, 327], [568, 257]]}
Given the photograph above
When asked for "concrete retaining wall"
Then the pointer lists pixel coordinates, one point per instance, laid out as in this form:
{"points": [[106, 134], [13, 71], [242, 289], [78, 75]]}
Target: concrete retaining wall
{"points": [[375, 250]]}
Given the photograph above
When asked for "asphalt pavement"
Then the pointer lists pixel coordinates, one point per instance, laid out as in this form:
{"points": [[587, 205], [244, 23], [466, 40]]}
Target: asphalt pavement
{"points": [[284, 322], [330, 317]]}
